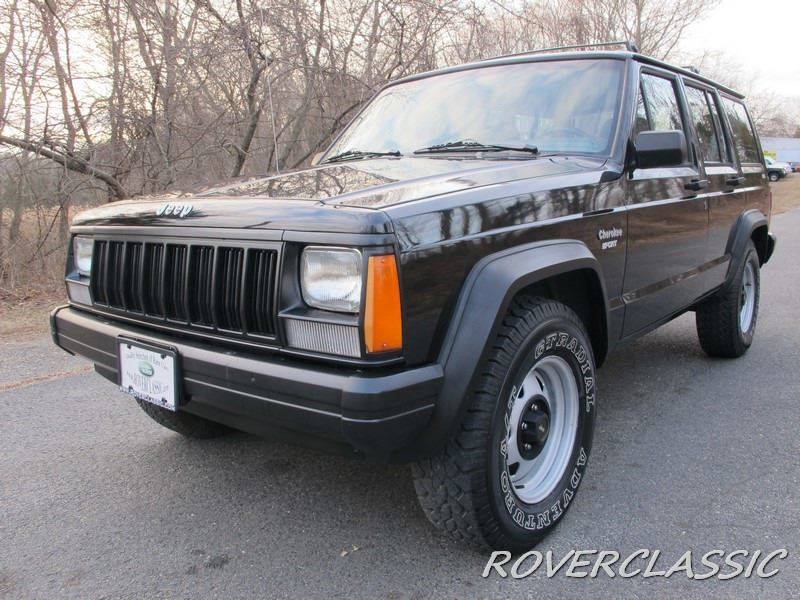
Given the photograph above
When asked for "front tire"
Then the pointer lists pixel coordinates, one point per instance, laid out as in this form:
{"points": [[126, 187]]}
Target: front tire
{"points": [[510, 472], [726, 322], [773, 176], [186, 424]]}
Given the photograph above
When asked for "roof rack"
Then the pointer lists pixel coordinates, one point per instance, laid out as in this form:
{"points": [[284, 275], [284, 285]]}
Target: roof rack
{"points": [[627, 44], [694, 70]]}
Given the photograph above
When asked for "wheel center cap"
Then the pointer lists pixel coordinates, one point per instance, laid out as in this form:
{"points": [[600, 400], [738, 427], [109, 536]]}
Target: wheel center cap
{"points": [[533, 428]]}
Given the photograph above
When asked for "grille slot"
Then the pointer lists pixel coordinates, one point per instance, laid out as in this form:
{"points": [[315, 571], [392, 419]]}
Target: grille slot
{"points": [[228, 288], [175, 283], [200, 268], [131, 295], [222, 288], [154, 279], [114, 274], [99, 272], [259, 283]]}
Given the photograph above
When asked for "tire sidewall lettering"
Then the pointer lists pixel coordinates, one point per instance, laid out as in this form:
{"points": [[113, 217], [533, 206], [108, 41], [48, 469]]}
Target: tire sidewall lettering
{"points": [[562, 342]]}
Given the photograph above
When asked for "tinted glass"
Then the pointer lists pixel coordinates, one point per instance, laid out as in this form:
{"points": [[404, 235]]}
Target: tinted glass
{"points": [[743, 136], [727, 154], [704, 124], [662, 103], [557, 106], [642, 121]]}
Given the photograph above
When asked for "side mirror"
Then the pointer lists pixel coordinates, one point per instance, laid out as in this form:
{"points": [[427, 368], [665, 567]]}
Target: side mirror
{"points": [[316, 158], [660, 149]]}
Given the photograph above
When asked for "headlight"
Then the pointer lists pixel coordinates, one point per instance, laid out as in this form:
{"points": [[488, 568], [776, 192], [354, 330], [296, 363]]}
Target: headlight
{"points": [[331, 278], [82, 255]]}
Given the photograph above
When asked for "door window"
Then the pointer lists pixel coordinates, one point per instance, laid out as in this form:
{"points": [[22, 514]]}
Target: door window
{"points": [[642, 118], [704, 124], [744, 138], [660, 104]]}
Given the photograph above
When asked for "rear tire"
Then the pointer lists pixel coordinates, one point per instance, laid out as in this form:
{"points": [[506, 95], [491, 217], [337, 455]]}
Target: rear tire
{"points": [[726, 322], [186, 424], [496, 483]]}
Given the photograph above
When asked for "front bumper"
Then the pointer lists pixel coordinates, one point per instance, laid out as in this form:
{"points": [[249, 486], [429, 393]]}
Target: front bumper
{"points": [[375, 413]]}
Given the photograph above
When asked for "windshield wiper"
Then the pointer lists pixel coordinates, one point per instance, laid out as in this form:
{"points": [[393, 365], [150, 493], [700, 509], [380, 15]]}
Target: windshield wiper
{"points": [[473, 146], [356, 154]]}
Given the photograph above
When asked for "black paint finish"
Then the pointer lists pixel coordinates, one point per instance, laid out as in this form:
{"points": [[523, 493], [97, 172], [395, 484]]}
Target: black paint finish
{"points": [[646, 243]]}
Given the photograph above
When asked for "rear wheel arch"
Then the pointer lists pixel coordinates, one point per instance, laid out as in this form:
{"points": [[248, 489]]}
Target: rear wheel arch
{"points": [[752, 225], [760, 237]]}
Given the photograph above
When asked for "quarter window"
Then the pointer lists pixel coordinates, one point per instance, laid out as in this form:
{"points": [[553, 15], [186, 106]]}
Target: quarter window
{"points": [[704, 125], [725, 143], [744, 137]]}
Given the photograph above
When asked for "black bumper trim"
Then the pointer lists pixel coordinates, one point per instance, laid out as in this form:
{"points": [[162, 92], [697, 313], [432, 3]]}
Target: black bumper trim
{"points": [[374, 412]]}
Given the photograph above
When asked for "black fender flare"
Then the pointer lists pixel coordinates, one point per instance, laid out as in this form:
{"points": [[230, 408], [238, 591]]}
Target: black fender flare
{"points": [[483, 303], [741, 233]]}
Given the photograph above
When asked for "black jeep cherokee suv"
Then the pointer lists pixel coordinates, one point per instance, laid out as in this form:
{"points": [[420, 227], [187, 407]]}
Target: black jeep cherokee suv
{"points": [[441, 287]]}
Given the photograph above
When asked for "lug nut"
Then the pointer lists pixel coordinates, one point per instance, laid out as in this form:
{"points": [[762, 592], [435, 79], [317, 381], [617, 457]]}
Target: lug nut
{"points": [[527, 446], [524, 426]]}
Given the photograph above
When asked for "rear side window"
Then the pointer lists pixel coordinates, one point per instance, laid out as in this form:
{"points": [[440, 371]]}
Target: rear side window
{"points": [[660, 104], [704, 124], [744, 138]]}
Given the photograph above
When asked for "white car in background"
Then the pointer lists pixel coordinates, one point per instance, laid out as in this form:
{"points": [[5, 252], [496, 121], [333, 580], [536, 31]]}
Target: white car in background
{"points": [[776, 170]]}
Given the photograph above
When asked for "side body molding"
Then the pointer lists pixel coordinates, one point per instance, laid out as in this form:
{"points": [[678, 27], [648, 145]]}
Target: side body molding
{"points": [[484, 301]]}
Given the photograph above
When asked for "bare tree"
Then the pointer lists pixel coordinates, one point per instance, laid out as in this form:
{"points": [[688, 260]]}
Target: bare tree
{"points": [[107, 99]]}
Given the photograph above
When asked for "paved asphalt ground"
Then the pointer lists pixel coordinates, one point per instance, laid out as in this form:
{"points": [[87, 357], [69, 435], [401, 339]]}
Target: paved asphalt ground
{"points": [[690, 454]]}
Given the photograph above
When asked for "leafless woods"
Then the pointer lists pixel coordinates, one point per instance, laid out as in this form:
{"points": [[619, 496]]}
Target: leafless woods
{"points": [[106, 99]]}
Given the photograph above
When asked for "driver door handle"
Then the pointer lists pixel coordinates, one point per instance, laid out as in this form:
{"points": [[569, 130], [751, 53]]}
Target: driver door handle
{"points": [[734, 181], [696, 185]]}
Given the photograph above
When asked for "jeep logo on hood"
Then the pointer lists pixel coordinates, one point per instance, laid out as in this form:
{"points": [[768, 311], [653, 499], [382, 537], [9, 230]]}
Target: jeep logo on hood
{"points": [[174, 210]]}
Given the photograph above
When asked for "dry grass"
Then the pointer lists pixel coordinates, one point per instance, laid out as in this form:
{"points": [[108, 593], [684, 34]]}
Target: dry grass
{"points": [[31, 273], [786, 194], [32, 265], [30, 316]]}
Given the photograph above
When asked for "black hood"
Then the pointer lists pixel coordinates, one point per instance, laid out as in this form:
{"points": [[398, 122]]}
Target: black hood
{"points": [[337, 198]]}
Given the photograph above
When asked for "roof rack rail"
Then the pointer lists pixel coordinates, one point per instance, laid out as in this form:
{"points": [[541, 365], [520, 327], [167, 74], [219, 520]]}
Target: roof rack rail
{"points": [[694, 70], [627, 44]]}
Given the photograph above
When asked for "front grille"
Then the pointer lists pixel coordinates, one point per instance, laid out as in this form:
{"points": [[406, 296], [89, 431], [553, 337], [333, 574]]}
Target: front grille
{"points": [[227, 289]]}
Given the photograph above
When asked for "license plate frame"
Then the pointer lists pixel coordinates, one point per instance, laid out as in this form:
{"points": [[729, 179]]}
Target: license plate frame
{"points": [[162, 362]]}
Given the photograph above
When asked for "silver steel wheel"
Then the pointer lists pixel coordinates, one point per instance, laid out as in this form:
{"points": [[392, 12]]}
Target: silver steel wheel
{"points": [[748, 297], [542, 429]]}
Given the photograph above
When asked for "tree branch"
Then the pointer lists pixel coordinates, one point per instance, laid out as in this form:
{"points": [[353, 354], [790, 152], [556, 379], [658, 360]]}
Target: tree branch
{"points": [[71, 162]]}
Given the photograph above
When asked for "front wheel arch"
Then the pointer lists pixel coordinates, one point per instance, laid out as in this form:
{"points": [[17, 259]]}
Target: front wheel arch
{"points": [[486, 296]]}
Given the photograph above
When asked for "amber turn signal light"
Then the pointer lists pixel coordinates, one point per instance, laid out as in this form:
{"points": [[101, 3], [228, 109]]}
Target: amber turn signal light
{"points": [[383, 319]]}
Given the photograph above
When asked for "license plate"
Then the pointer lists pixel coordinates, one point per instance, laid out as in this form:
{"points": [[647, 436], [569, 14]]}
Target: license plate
{"points": [[149, 373]]}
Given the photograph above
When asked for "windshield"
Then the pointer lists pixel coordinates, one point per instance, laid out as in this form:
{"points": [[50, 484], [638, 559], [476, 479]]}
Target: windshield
{"points": [[568, 106]]}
